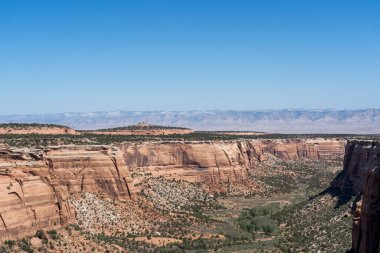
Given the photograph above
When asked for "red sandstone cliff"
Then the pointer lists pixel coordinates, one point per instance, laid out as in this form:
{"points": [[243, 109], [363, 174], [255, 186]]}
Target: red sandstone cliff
{"points": [[35, 185], [220, 161], [361, 175]]}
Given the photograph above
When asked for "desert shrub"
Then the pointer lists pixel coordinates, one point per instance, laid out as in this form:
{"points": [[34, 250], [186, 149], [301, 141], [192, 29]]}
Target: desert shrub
{"points": [[53, 234], [24, 245], [10, 243]]}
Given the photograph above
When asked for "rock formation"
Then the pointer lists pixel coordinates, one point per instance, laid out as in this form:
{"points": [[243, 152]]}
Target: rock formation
{"points": [[220, 161], [36, 184], [361, 175]]}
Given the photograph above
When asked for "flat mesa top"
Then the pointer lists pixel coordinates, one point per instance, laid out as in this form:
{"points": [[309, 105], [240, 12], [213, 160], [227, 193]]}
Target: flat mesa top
{"points": [[143, 126], [35, 128]]}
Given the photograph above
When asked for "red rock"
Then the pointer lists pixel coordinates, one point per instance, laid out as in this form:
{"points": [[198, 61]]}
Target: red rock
{"points": [[35, 242], [361, 175], [35, 185], [214, 162]]}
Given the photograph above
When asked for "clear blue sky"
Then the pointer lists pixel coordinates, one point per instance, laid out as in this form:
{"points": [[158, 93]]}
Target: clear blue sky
{"points": [[60, 56]]}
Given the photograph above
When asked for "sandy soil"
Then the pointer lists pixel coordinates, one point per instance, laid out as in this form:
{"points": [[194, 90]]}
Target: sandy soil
{"points": [[158, 241]]}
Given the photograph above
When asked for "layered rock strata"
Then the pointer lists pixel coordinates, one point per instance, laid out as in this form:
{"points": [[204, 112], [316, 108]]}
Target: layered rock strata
{"points": [[35, 185], [220, 161], [361, 176]]}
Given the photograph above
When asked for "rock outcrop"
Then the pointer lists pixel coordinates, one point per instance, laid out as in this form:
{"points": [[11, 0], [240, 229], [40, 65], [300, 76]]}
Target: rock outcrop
{"points": [[35, 185], [361, 176], [218, 162]]}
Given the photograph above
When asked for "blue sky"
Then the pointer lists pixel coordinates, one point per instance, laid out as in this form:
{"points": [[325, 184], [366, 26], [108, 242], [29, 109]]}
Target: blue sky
{"points": [[69, 56]]}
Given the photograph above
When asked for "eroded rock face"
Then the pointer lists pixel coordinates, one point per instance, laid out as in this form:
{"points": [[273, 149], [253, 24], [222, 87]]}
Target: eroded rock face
{"points": [[89, 169], [211, 162], [220, 161], [361, 175], [35, 185], [358, 161]]}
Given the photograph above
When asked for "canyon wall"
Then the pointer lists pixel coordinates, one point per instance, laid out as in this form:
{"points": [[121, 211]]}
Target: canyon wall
{"points": [[35, 185], [361, 176], [217, 162]]}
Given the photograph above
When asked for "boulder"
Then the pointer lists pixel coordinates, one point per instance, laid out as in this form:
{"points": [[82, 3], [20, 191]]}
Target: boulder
{"points": [[36, 242]]}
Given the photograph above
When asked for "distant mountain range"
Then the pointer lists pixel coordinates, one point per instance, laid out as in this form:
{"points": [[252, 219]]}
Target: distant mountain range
{"points": [[278, 121]]}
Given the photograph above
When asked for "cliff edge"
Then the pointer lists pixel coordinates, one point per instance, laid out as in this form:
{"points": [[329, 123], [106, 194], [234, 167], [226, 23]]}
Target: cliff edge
{"points": [[361, 176]]}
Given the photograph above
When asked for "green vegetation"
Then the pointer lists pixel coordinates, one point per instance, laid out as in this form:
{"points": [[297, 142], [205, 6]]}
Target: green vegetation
{"points": [[21, 126], [319, 224], [308, 177], [33, 140], [3, 249], [143, 127], [10, 244], [186, 245], [53, 234], [295, 214], [25, 246], [258, 220]]}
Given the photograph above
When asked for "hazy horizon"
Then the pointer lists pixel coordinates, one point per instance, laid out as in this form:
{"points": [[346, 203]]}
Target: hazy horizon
{"points": [[197, 110], [365, 121]]}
